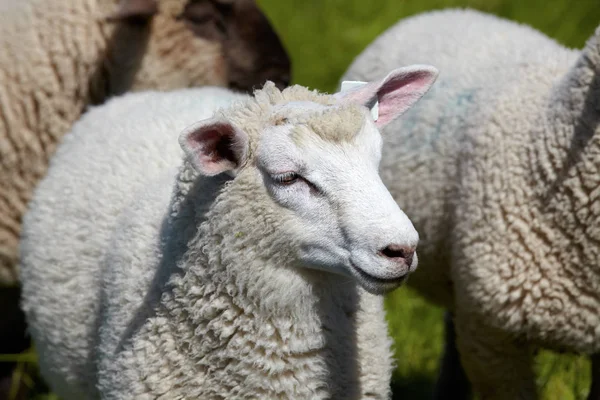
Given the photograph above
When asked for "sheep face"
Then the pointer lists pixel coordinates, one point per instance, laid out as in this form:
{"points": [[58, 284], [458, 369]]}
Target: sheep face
{"points": [[321, 172], [311, 171], [199, 42]]}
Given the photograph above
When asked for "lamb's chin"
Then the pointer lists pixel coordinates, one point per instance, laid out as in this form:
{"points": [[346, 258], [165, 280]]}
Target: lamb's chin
{"points": [[375, 285]]}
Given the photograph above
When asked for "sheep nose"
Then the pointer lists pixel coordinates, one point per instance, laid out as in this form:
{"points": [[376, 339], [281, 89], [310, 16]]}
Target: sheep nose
{"points": [[399, 254]]}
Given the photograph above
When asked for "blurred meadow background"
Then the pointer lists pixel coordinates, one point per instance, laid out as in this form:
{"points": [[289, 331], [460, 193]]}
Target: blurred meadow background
{"points": [[322, 38]]}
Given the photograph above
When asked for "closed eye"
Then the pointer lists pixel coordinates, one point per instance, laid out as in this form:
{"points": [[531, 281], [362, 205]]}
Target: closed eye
{"points": [[286, 178], [290, 178], [203, 16]]}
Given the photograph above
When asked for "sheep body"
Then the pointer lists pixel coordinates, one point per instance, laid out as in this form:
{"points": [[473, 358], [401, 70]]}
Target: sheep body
{"points": [[115, 232], [498, 168], [66, 356]]}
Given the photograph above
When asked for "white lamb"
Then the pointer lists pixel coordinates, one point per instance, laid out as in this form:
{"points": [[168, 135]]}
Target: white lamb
{"points": [[233, 276], [499, 169], [59, 56]]}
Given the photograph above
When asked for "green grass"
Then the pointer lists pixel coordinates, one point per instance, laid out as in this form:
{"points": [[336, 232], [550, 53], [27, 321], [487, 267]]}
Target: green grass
{"points": [[417, 329], [26, 377], [323, 37]]}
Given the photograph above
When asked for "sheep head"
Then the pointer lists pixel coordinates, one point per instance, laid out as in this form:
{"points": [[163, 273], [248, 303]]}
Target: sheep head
{"points": [[305, 168], [196, 42]]}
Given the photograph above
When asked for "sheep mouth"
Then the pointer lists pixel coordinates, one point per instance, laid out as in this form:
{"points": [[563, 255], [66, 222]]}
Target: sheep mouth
{"points": [[375, 284]]}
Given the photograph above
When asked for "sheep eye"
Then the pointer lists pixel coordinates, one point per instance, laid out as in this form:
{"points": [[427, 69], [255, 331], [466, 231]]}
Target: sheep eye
{"points": [[204, 20], [287, 178], [197, 13]]}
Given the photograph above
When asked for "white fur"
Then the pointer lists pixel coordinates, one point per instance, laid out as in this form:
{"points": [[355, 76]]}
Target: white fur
{"points": [[102, 168], [142, 280], [499, 168]]}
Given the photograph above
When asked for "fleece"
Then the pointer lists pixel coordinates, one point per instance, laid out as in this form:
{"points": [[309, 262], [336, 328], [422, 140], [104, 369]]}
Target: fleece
{"points": [[59, 56], [499, 169], [142, 279]]}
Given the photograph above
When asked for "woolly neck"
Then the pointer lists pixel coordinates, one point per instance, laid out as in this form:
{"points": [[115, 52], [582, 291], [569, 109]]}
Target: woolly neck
{"points": [[226, 242], [236, 293], [566, 160], [223, 231]]}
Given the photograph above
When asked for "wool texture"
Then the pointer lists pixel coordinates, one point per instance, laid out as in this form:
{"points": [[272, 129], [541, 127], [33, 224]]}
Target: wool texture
{"points": [[144, 280], [498, 167]]}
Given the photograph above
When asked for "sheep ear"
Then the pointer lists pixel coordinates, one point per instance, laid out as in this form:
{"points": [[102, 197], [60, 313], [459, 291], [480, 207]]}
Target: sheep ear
{"points": [[214, 146], [134, 10], [394, 94]]}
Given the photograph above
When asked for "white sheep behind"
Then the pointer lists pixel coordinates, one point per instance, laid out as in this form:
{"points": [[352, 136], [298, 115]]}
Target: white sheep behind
{"points": [[498, 167], [192, 283]]}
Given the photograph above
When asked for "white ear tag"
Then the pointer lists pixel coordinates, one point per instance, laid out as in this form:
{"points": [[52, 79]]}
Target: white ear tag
{"points": [[347, 85]]}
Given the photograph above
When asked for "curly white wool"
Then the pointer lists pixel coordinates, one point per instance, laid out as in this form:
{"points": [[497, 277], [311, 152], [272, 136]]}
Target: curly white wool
{"points": [[499, 169], [144, 279]]}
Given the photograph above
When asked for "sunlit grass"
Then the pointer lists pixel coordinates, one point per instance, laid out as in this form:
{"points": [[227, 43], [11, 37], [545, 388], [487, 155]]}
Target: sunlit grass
{"points": [[417, 329], [25, 377], [324, 36]]}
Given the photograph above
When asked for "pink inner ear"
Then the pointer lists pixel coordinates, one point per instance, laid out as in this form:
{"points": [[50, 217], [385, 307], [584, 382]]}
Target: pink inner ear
{"points": [[218, 151], [213, 147], [396, 93], [361, 95], [400, 92]]}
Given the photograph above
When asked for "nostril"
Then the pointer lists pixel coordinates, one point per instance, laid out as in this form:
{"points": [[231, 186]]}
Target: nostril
{"points": [[394, 251], [397, 252]]}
